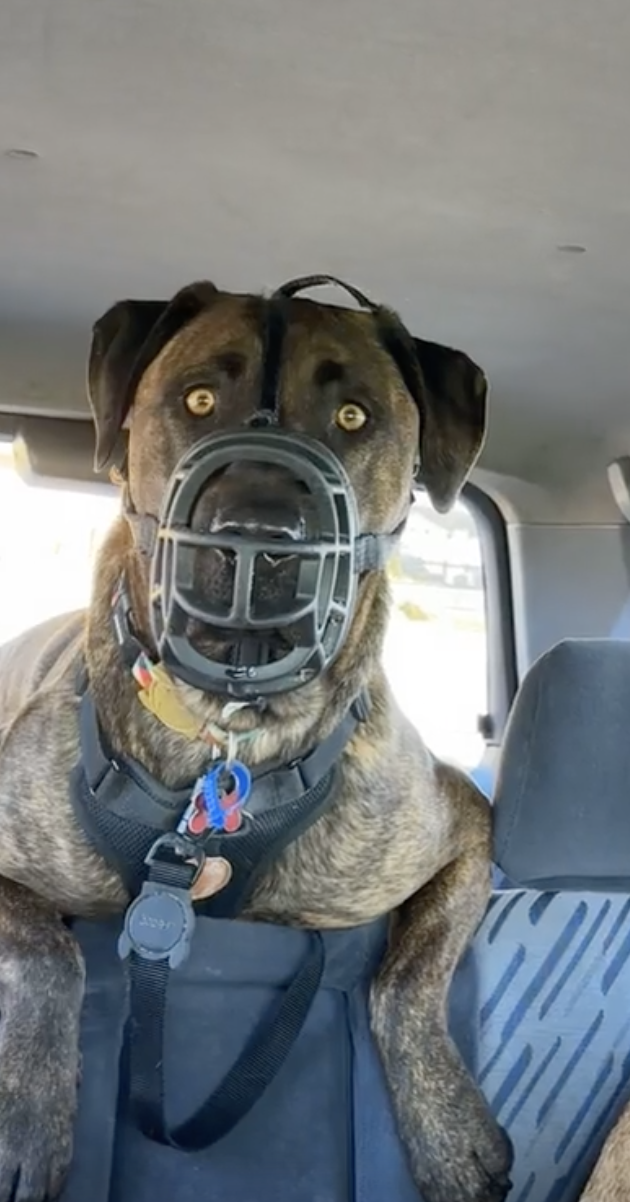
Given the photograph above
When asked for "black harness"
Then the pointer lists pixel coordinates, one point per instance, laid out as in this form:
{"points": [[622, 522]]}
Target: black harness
{"points": [[131, 821]]}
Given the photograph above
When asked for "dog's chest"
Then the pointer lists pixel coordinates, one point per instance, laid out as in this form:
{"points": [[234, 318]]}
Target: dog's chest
{"points": [[343, 872]]}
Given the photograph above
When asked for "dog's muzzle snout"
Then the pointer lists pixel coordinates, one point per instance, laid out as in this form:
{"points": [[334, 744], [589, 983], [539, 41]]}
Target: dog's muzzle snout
{"points": [[290, 555], [254, 504]]}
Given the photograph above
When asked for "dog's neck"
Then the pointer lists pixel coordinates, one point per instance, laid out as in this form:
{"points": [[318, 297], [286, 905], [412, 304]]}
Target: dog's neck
{"points": [[289, 727]]}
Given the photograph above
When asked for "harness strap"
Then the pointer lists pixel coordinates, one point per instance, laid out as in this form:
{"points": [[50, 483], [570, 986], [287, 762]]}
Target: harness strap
{"points": [[123, 809]]}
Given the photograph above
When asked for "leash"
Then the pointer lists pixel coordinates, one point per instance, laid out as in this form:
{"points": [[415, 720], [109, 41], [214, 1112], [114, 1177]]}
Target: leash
{"points": [[166, 897], [158, 841]]}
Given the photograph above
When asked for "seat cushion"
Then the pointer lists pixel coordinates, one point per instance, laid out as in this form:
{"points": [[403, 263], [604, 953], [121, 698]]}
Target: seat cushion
{"points": [[551, 1039], [324, 1129]]}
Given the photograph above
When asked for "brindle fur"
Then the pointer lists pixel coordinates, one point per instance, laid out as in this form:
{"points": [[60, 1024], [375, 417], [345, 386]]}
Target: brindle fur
{"points": [[405, 834], [610, 1179]]}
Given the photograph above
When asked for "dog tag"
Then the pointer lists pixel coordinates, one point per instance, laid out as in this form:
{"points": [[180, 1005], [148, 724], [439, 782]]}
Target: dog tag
{"points": [[214, 876], [158, 925], [159, 696]]}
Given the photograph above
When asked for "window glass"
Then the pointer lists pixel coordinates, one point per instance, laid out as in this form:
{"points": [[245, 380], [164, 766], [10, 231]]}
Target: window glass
{"points": [[435, 652], [48, 539]]}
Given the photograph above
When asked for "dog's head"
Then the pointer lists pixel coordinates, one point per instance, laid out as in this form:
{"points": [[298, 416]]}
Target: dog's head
{"points": [[390, 407]]}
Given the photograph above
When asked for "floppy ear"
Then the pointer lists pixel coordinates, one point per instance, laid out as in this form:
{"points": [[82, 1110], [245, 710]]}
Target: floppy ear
{"points": [[125, 340], [453, 420]]}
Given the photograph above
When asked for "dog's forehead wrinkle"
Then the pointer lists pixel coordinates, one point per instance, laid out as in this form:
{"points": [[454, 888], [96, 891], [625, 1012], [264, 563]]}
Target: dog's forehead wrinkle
{"points": [[323, 345], [354, 370], [329, 371], [228, 333]]}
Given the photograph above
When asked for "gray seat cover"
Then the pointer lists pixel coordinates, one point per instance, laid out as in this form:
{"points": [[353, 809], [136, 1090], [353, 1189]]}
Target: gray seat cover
{"points": [[323, 1132]]}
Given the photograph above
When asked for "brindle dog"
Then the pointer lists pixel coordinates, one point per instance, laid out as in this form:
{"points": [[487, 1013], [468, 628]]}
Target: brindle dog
{"points": [[610, 1179], [406, 834]]}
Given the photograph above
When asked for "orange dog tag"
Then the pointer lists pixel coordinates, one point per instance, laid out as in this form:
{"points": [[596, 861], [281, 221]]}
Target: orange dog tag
{"points": [[214, 876]]}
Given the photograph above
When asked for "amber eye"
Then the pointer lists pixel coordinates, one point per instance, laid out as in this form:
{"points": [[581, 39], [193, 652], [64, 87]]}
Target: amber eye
{"points": [[350, 417], [200, 402]]}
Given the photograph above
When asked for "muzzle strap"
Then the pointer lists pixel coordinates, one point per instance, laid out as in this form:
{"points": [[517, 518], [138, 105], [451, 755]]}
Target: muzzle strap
{"points": [[372, 551], [144, 527], [275, 329], [305, 282], [394, 337]]}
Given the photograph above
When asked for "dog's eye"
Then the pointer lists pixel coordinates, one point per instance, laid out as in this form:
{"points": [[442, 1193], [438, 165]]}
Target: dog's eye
{"points": [[350, 417], [200, 402]]}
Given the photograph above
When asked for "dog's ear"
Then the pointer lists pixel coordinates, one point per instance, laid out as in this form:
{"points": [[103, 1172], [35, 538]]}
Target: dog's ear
{"points": [[117, 338], [125, 340], [453, 420]]}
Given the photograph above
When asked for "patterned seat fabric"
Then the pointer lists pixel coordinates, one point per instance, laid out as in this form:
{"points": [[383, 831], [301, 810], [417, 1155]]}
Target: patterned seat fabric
{"points": [[548, 978], [552, 1042]]}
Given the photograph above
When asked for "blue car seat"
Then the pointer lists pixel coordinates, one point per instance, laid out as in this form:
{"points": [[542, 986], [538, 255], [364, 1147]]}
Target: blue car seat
{"points": [[548, 978]]}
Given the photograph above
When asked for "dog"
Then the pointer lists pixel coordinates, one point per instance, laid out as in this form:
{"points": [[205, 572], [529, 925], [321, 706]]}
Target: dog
{"points": [[414, 840], [610, 1179]]}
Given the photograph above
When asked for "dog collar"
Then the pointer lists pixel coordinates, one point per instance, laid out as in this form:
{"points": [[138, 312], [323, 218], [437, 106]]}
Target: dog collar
{"points": [[158, 692]]}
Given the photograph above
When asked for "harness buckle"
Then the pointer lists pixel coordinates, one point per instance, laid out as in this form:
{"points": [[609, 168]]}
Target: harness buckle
{"points": [[159, 925], [178, 850]]}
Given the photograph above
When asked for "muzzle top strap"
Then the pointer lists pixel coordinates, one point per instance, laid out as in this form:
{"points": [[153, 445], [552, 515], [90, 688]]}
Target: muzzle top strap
{"points": [[145, 529], [319, 281], [275, 328]]}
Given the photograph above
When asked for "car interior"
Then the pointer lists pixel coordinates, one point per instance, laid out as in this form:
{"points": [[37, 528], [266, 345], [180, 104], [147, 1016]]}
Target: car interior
{"points": [[464, 164]]}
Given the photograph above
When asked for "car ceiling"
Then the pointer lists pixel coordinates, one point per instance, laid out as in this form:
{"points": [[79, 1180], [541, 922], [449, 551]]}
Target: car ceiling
{"points": [[464, 162]]}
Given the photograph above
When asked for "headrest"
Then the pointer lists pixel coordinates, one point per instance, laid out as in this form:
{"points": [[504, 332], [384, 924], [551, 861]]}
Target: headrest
{"points": [[562, 801]]}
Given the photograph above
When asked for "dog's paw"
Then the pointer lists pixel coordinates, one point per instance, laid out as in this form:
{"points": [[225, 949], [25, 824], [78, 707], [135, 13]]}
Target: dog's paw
{"points": [[36, 1134], [464, 1157]]}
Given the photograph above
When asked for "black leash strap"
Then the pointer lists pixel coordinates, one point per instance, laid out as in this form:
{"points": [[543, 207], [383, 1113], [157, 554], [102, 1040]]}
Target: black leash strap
{"points": [[247, 1079], [156, 938]]}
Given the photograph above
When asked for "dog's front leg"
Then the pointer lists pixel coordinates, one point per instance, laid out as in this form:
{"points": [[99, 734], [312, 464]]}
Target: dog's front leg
{"points": [[41, 991], [456, 1150], [610, 1179]]}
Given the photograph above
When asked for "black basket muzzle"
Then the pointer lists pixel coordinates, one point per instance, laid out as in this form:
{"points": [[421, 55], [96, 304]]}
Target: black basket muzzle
{"points": [[326, 565]]}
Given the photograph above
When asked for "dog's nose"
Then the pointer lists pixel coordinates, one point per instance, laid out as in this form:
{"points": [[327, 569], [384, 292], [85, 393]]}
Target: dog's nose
{"points": [[262, 519], [260, 503]]}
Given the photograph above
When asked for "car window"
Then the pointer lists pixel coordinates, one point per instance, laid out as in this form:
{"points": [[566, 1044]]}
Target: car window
{"points": [[435, 649], [48, 539]]}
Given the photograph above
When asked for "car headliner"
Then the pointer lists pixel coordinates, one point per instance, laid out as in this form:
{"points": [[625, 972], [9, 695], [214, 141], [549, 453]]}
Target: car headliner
{"points": [[465, 162]]}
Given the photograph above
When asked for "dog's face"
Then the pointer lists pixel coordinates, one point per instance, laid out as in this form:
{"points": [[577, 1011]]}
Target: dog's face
{"points": [[177, 372]]}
